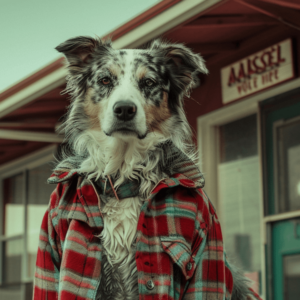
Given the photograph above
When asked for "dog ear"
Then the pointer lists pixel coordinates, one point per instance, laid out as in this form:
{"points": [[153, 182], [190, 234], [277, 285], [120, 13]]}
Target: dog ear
{"points": [[79, 50], [185, 64]]}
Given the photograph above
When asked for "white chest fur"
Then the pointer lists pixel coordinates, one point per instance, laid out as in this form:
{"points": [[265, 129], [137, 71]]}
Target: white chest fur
{"points": [[119, 277], [120, 225]]}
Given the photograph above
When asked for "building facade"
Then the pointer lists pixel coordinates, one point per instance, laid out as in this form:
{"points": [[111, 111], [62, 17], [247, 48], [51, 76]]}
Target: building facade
{"points": [[246, 119]]}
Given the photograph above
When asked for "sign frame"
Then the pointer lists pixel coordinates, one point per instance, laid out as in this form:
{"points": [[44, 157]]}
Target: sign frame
{"points": [[257, 72]]}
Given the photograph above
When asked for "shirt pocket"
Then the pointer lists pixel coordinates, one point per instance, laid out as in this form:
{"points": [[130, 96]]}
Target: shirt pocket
{"points": [[180, 254]]}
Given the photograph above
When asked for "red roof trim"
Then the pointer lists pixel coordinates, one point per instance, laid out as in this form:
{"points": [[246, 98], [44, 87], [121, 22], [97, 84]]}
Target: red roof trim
{"points": [[142, 18], [31, 79]]}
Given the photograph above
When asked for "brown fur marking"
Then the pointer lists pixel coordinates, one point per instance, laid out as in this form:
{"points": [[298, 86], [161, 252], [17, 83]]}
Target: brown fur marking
{"points": [[115, 70], [155, 116], [141, 72], [92, 110]]}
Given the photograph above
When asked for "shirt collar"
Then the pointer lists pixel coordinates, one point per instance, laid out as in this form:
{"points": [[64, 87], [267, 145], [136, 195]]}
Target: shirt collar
{"points": [[178, 166]]}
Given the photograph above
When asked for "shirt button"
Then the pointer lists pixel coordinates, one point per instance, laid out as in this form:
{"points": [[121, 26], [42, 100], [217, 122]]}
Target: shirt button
{"points": [[150, 285], [189, 266]]}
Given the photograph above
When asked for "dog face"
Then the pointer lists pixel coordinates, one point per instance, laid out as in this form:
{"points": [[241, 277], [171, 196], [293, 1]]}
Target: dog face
{"points": [[128, 94]]}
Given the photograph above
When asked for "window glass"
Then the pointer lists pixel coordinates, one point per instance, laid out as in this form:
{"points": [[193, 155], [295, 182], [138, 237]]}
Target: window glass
{"points": [[239, 190], [11, 292], [13, 250], [13, 229], [38, 198], [13, 199], [238, 139], [291, 266], [288, 166]]}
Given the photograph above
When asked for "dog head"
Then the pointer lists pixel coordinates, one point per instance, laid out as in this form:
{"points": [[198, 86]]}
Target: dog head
{"points": [[132, 94]]}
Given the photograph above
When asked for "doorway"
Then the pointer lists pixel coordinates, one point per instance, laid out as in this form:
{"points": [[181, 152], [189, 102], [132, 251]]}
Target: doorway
{"points": [[281, 140]]}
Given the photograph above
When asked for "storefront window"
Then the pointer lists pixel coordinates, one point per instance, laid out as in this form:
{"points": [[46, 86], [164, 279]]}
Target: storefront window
{"points": [[11, 292], [19, 241], [12, 260], [291, 267], [13, 202], [38, 198], [239, 190], [287, 165], [12, 246]]}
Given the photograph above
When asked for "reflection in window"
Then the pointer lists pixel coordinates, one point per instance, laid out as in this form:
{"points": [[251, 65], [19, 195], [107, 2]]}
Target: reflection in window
{"points": [[239, 190]]}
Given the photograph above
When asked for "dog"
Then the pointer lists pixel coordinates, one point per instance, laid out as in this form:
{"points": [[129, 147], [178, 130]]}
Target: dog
{"points": [[126, 112]]}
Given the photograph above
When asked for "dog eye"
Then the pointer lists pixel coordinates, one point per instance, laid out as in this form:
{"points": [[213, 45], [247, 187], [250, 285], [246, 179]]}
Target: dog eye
{"points": [[149, 82], [105, 80]]}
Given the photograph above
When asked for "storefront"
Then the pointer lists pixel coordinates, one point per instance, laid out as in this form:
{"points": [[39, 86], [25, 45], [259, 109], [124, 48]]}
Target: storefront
{"points": [[246, 116], [250, 152]]}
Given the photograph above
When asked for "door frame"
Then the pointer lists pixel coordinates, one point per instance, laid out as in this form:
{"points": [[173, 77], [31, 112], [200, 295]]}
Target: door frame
{"points": [[276, 125], [271, 208], [208, 142]]}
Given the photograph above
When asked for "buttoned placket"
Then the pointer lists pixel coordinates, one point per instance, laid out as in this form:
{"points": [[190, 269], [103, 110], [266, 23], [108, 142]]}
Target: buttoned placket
{"points": [[99, 206], [149, 284], [97, 234], [189, 184]]}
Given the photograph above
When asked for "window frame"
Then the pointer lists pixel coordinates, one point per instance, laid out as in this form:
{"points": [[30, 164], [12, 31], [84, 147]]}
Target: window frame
{"points": [[276, 126], [21, 165], [208, 145]]}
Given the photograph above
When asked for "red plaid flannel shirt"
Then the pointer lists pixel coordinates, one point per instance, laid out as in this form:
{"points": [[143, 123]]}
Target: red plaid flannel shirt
{"points": [[179, 244]]}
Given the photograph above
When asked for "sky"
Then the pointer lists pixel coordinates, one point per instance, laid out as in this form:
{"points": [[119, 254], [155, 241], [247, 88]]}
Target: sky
{"points": [[31, 29]]}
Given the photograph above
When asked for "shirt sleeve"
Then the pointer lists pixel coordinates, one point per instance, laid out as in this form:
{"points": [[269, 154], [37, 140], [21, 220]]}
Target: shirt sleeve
{"points": [[213, 277], [48, 258]]}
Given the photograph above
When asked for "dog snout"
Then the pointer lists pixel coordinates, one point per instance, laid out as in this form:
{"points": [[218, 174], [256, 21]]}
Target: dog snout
{"points": [[124, 110]]}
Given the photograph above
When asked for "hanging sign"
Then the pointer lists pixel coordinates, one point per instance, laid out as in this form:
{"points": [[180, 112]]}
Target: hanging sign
{"points": [[258, 71]]}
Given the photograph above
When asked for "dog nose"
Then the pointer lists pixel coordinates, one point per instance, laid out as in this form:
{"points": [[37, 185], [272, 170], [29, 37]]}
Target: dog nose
{"points": [[124, 110]]}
